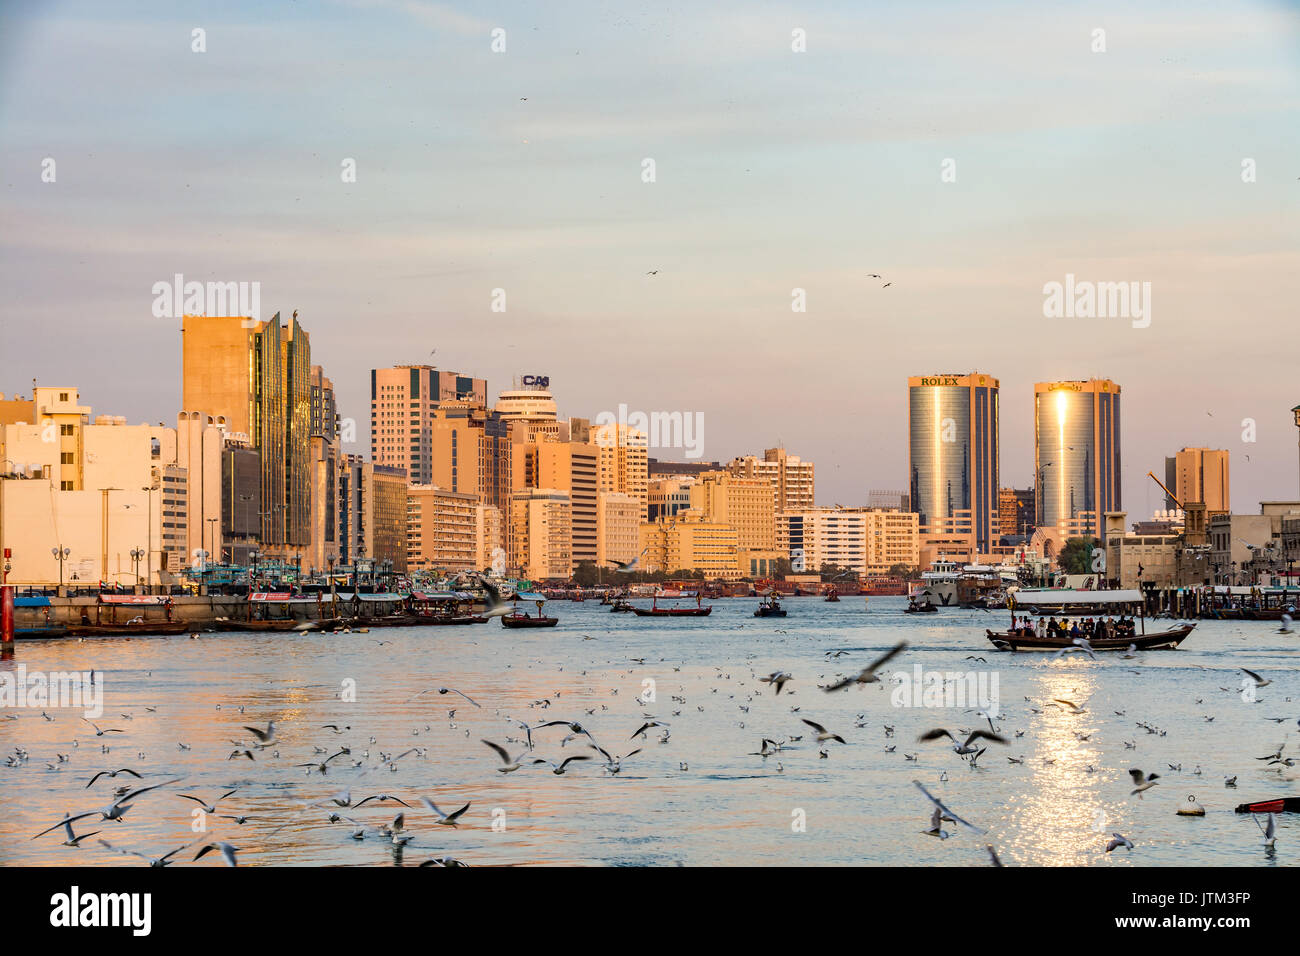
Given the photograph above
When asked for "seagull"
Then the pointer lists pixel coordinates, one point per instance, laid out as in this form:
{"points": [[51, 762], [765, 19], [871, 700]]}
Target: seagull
{"points": [[206, 808], [558, 769], [1286, 625], [509, 764], [106, 730], [993, 856], [113, 773], [777, 678], [444, 819], [938, 805], [1074, 708], [936, 825], [381, 797], [1259, 681], [1078, 644], [1142, 781], [158, 861], [614, 764], [822, 733], [72, 838], [1118, 840], [225, 849], [646, 726], [264, 737], [1269, 830], [963, 749], [114, 811], [628, 566], [868, 674], [449, 690]]}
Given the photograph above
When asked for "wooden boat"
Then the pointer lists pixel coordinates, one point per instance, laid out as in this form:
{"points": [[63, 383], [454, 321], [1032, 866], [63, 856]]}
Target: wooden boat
{"points": [[279, 624], [656, 611], [1064, 603], [621, 606], [518, 618], [1277, 805], [922, 608], [832, 596], [143, 629], [42, 630], [770, 606]]}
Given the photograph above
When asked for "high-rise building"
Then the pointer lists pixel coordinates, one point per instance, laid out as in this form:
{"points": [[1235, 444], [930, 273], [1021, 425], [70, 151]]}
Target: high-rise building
{"points": [[1016, 511], [1199, 474], [530, 408], [441, 530], [572, 468], [792, 478], [371, 513], [257, 376], [1076, 455], [624, 461], [539, 542], [404, 400], [954, 455]]}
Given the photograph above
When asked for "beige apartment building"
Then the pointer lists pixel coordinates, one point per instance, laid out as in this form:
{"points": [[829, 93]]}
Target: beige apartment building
{"points": [[792, 478], [442, 530], [866, 540], [540, 535], [404, 401], [746, 504], [490, 535], [618, 529], [689, 542], [94, 489], [624, 461]]}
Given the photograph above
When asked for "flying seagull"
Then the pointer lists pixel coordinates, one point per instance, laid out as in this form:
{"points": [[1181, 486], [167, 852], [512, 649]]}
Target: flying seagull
{"points": [[444, 819], [778, 679], [822, 733], [938, 805], [1119, 840], [1142, 781], [868, 674], [963, 748]]}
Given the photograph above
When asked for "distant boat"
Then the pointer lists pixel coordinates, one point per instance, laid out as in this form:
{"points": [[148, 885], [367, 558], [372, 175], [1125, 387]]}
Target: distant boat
{"points": [[656, 611], [518, 618], [770, 606]]}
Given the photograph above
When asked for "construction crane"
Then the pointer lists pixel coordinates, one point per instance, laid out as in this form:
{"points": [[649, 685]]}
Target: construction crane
{"points": [[1167, 492]]}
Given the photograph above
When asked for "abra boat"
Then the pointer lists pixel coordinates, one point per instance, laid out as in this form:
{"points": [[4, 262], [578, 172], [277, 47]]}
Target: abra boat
{"points": [[1063, 603], [518, 618], [770, 606], [920, 607], [621, 606], [656, 611], [832, 596]]}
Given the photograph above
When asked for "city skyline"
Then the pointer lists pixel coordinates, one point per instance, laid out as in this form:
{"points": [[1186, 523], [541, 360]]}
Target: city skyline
{"points": [[400, 266]]}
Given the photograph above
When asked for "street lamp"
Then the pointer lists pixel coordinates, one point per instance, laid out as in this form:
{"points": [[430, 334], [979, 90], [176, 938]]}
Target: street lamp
{"points": [[1295, 412], [137, 555], [60, 555]]}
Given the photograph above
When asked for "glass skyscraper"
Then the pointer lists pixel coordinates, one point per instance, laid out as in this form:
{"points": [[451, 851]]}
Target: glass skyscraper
{"points": [[954, 454], [1076, 454]]}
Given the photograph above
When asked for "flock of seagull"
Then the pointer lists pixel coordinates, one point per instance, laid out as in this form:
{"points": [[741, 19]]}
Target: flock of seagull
{"points": [[562, 745]]}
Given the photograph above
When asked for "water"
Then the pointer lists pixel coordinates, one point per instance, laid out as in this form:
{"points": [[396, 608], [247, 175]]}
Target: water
{"points": [[727, 807]]}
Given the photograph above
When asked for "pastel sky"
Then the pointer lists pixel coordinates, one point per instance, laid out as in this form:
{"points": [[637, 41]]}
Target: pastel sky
{"points": [[775, 170]]}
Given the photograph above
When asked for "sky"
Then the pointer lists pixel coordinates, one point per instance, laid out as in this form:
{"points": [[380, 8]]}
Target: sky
{"points": [[774, 170]]}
